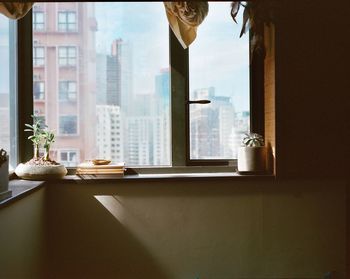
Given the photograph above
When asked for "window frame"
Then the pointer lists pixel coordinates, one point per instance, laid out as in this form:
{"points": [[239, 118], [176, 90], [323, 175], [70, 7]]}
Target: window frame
{"points": [[67, 56], [66, 23], [36, 24], [40, 93], [67, 93], [68, 134], [68, 151], [179, 92], [180, 83], [36, 58]]}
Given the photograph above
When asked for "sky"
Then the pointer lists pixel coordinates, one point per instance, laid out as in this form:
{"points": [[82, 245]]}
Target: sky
{"points": [[219, 58], [4, 55], [138, 24]]}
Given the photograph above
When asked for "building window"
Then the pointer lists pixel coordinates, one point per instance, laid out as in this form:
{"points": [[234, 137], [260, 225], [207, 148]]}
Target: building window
{"points": [[69, 158], [67, 56], [67, 21], [68, 125], [67, 91], [38, 21], [38, 90], [38, 56]]}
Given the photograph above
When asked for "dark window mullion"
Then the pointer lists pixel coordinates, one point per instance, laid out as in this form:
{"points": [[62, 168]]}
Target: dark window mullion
{"points": [[178, 75], [25, 86]]}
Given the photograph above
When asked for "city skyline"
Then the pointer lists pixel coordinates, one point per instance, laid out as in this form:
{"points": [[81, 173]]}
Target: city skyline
{"points": [[117, 103]]}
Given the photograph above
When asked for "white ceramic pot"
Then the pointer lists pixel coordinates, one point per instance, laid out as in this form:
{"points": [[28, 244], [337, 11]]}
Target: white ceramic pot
{"points": [[34, 172], [252, 159]]}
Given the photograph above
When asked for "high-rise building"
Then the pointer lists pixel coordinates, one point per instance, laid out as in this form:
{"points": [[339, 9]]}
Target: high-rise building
{"points": [[211, 126], [109, 133], [65, 76], [241, 127], [162, 86], [108, 70]]}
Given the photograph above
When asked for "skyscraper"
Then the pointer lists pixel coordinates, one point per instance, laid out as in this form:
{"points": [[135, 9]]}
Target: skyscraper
{"points": [[162, 86], [108, 70], [211, 134]]}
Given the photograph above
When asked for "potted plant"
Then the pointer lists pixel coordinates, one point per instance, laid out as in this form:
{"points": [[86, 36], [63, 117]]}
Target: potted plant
{"points": [[252, 154], [40, 167]]}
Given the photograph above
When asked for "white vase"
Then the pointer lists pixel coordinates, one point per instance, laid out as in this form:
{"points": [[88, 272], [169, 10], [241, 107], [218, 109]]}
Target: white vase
{"points": [[252, 159], [36, 172]]}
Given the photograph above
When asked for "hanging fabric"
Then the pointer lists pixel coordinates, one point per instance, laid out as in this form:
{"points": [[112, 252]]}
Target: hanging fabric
{"points": [[184, 18], [15, 10]]}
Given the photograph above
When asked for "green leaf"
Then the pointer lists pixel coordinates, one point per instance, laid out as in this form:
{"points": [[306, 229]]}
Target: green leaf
{"points": [[28, 125]]}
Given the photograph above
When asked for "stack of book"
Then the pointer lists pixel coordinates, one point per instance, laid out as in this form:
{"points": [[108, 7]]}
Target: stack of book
{"points": [[92, 169]]}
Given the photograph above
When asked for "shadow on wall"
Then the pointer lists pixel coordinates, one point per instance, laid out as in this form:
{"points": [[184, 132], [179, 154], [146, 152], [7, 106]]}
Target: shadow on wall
{"points": [[85, 242]]}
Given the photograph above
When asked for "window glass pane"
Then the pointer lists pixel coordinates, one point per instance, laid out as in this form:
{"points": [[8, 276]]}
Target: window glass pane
{"points": [[7, 93], [38, 90], [64, 156], [71, 52], [62, 17], [62, 52], [219, 72], [120, 74], [68, 125], [71, 17]]}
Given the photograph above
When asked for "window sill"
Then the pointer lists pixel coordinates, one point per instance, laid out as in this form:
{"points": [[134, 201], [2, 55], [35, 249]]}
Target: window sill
{"points": [[82, 179], [21, 189]]}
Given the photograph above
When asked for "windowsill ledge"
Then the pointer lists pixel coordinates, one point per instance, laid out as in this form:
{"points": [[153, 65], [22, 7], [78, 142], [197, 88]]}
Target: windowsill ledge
{"points": [[88, 179], [21, 189]]}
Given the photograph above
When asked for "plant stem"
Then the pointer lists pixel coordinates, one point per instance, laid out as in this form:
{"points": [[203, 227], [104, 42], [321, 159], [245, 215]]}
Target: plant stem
{"points": [[47, 154], [36, 151]]}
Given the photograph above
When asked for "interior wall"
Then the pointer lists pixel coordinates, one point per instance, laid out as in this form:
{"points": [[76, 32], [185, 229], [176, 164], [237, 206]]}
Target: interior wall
{"points": [[22, 237], [312, 89], [197, 229]]}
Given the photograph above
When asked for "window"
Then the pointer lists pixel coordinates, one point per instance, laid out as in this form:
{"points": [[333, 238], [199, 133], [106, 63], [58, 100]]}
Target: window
{"points": [[67, 56], [67, 91], [8, 133], [69, 158], [223, 79], [120, 82], [68, 125], [38, 90], [38, 56], [67, 21], [38, 21]]}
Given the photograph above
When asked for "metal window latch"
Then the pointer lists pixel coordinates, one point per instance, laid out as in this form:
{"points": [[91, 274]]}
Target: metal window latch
{"points": [[201, 102]]}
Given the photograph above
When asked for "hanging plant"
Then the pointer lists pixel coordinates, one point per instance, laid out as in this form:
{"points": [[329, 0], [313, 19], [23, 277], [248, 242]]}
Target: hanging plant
{"points": [[255, 15]]}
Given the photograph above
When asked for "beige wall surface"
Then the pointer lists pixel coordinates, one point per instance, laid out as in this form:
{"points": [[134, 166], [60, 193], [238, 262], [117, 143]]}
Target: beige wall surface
{"points": [[22, 237], [213, 229]]}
